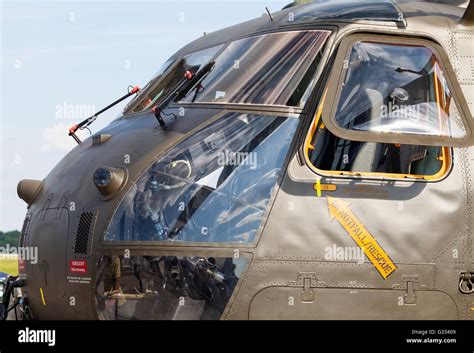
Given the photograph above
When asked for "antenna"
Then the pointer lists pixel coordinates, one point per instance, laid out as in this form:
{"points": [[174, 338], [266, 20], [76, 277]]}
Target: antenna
{"points": [[269, 14]]}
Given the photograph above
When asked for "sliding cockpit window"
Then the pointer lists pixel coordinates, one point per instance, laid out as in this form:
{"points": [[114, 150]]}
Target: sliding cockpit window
{"points": [[394, 114], [396, 90]]}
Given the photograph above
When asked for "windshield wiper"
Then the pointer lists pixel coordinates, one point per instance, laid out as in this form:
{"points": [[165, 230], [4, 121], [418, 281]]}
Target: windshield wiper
{"points": [[190, 80], [194, 81], [402, 69]]}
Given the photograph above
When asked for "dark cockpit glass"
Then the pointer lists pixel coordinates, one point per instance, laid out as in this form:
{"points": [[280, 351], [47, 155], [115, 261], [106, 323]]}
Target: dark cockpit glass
{"points": [[166, 287], [214, 187]]}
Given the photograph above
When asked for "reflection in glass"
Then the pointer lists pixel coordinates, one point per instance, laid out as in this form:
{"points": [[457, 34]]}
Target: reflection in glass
{"points": [[276, 68], [381, 10], [167, 83], [399, 89], [330, 152], [166, 287], [213, 187]]}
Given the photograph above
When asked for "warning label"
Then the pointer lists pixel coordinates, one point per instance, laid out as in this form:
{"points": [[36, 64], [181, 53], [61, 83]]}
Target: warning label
{"points": [[78, 266], [340, 210], [83, 280]]}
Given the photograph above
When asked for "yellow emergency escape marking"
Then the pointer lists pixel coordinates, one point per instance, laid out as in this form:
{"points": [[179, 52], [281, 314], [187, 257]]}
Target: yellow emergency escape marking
{"points": [[42, 296], [323, 187], [340, 210]]}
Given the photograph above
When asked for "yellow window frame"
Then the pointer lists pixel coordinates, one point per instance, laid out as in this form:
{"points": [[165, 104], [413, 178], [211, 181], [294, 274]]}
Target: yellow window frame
{"points": [[445, 157]]}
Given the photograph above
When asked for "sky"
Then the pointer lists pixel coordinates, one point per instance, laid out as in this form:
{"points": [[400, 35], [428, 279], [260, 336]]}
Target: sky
{"points": [[63, 61]]}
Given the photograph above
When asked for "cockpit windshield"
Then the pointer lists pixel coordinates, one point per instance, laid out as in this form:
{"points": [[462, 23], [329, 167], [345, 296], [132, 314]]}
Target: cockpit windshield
{"points": [[214, 187], [271, 69]]}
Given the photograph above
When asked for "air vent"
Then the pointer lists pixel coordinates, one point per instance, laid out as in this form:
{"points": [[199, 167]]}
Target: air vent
{"points": [[83, 230]]}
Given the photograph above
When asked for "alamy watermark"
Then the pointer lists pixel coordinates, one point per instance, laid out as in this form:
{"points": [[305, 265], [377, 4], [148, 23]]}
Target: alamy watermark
{"points": [[37, 336], [404, 112], [225, 158], [74, 111], [29, 254], [348, 253]]}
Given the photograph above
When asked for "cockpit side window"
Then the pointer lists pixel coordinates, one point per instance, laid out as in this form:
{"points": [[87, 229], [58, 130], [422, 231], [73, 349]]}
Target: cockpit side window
{"points": [[389, 90], [392, 90], [333, 155], [397, 88]]}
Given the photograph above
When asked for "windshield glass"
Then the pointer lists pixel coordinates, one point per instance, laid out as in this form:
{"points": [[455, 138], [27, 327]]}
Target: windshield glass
{"points": [[271, 69], [165, 84], [214, 187], [381, 10]]}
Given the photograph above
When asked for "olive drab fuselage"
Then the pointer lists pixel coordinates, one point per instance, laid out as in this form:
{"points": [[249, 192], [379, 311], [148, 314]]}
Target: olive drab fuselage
{"points": [[259, 229]]}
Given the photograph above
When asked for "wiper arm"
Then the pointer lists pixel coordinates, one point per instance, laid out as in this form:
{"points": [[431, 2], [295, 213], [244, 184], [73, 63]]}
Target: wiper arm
{"points": [[194, 80], [85, 123], [190, 80], [401, 69]]}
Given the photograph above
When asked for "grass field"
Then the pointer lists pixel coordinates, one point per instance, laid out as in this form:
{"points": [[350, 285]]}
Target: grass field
{"points": [[9, 266]]}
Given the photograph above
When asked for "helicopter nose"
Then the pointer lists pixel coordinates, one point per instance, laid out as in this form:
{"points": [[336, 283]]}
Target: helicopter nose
{"points": [[28, 189]]}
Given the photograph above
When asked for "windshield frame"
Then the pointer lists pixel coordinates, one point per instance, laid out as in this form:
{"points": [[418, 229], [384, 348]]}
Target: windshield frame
{"points": [[326, 49]]}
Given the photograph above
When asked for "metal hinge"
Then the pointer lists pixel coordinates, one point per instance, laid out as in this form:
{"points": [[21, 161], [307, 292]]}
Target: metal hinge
{"points": [[307, 280], [466, 282], [410, 284], [46, 206]]}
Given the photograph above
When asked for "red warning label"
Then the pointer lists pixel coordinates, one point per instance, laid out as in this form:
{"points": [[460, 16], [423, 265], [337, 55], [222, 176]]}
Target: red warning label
{"points": [[78, 266]]}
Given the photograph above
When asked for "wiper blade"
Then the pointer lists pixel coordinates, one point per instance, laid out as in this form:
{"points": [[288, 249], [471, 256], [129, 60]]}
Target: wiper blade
{"points": [[194, 80], [189, 81]]}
